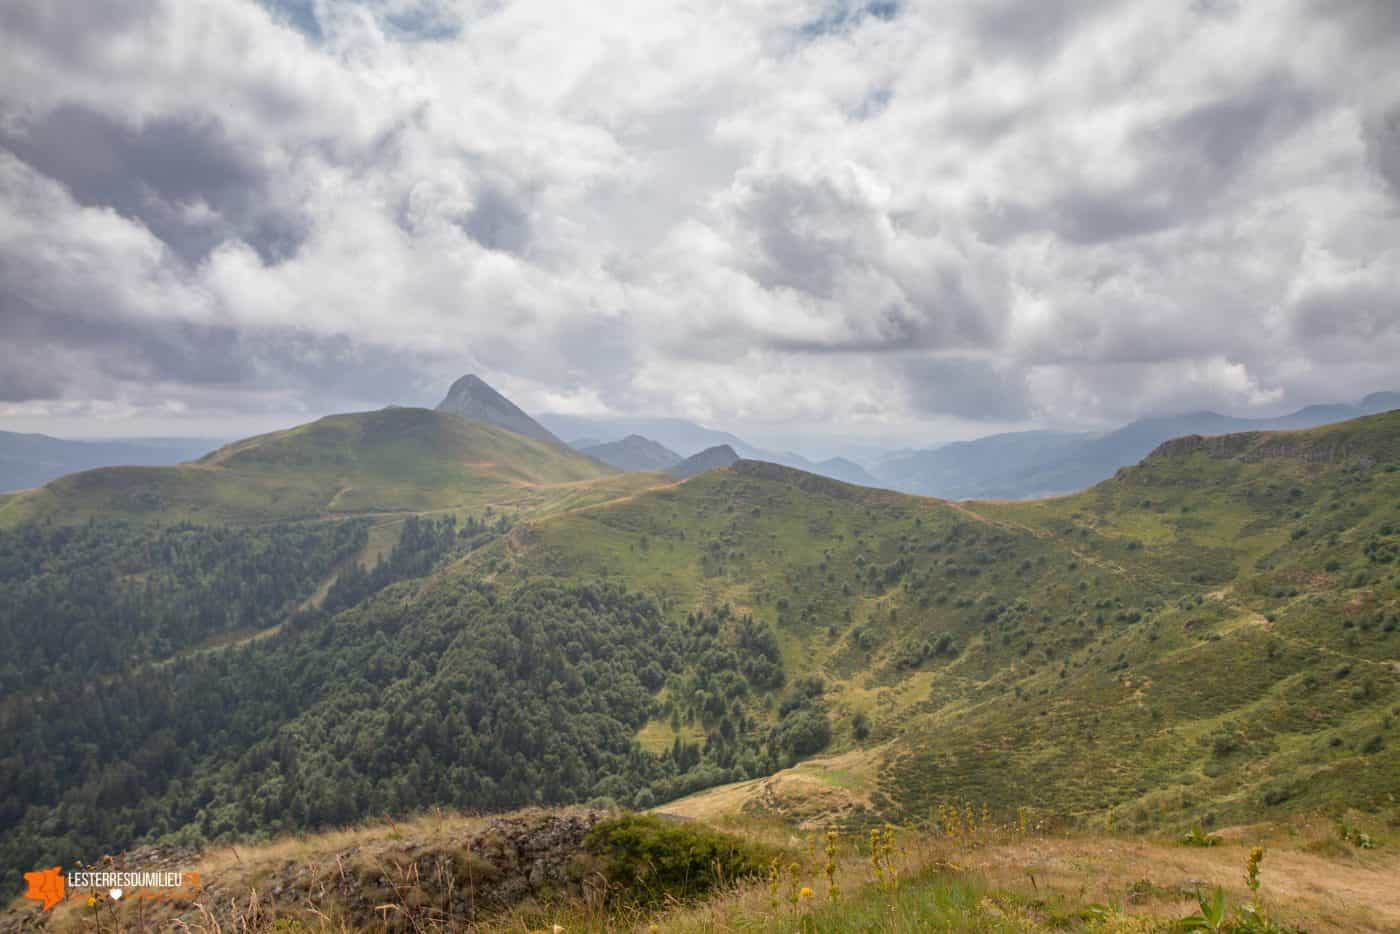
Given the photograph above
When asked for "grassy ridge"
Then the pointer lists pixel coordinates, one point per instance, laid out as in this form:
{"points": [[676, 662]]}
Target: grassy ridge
{"points": [[393, 460]]}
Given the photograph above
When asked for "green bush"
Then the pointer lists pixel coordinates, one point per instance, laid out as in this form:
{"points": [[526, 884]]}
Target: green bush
{"points": [[647, 859]]}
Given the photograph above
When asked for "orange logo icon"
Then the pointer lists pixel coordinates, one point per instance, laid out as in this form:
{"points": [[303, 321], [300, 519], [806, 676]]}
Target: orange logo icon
{"points": [[45, 885]]}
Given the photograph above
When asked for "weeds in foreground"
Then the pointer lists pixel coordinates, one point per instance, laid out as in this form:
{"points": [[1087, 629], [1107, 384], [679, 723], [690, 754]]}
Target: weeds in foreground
{"points": [[1198, 837], [1248, 918], [1352, 835]]}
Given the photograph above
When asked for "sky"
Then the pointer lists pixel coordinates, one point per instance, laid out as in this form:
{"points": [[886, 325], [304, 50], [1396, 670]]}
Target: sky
{"points": [[892, 220]]}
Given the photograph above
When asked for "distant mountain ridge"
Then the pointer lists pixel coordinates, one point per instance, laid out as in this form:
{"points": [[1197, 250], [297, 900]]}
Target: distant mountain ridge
{"points": [[471, 397], [687, 438], [633, 453], [31, 460], [1022, 465]]}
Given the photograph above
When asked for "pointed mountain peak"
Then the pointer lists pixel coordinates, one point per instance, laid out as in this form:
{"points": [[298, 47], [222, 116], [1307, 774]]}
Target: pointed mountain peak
{"points": [[472, 397]]}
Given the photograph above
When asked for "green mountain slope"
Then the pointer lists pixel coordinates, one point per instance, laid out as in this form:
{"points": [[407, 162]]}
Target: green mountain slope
{"points": [[1209, 635], [392, 460]]}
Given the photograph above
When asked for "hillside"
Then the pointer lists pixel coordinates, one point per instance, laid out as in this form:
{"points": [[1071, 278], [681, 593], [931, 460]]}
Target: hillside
{"points": [[392, 460], [1210, 637]]}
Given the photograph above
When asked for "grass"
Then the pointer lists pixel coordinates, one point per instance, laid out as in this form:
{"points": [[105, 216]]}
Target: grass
{"points": [[1207, 639], [993, 878], [999, 879], [393, 461], [1101, 640]]}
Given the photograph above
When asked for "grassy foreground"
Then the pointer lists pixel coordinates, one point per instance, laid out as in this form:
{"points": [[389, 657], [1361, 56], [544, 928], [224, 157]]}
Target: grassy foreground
{"points": [[971, 874]]}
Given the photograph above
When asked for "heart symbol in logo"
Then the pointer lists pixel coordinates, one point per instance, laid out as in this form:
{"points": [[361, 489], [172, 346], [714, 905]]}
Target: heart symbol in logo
{"points": [[116, 894]]}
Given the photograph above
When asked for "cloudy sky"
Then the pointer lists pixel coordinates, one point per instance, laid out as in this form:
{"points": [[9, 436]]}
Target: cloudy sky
{"points": [[890, 218]]}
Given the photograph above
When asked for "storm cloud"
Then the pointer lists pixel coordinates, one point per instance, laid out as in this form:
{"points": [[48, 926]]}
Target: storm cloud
{"points": [[889, 218]]}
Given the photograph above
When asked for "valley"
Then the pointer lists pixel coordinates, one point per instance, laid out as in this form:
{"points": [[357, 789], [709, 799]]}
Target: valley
{"points": [[488, 622]]}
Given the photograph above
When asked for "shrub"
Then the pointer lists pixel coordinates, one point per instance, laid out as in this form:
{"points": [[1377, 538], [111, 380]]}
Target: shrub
{"points": [[1198, 837], [648, 860], [802, 733]]}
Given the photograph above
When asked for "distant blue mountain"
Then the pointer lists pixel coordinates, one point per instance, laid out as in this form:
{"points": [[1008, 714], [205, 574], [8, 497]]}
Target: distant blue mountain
{"points": [[30, 460], [686, 439], [1042, 463]]}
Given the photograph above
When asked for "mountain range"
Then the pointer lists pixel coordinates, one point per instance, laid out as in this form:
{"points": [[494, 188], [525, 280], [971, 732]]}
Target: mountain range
{"points": [[631, 453], [1015, 465], [395, 611], [1021, 465]]}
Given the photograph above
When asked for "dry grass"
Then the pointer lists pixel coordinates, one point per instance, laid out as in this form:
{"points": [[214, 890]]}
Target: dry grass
{"points": [[1308, 890], [813, 794], [1005, 881], [1038, 883]]}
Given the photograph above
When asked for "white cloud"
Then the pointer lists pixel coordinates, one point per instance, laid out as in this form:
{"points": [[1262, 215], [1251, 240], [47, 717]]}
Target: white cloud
{"points": [[877, 216]]}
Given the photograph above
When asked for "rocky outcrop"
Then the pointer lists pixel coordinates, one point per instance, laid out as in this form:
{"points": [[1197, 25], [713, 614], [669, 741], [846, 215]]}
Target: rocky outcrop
{"points": [[418, 879], [503, 864]]}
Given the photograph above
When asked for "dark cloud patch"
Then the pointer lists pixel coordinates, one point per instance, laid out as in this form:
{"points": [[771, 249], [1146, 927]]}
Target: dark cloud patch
{"points": [[1359, 313], [952, 320], [1368, 23], [967, 388], [183, 178], [1382, 134], [1088, 215], [53, 27], [116, 349], [1185, 163], [330, 368], [824, 239], [1033, 30], [498, 221], [800, 245], [1209, 142], [25, 376], [45, 354]]}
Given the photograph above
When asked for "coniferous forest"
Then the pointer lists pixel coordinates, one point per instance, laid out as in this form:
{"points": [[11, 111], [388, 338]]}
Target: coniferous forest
{"points": [[382, 699]]}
